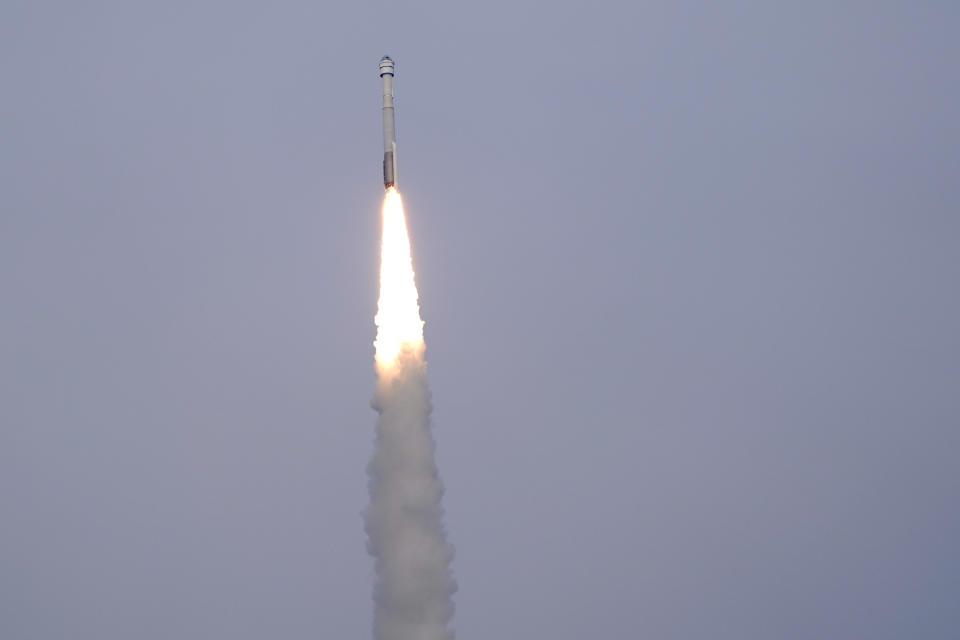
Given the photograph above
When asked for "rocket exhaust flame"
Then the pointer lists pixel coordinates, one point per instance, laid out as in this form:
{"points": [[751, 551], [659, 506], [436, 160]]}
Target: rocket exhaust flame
{"points": [[398, 314], [404, 521]]}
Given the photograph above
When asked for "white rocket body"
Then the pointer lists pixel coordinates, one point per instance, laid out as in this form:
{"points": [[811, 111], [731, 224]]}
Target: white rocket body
{"points": [[389, 133]]}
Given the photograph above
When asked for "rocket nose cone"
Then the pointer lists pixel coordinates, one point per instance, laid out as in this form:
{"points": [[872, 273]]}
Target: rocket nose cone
{"points": [[386, 65]]}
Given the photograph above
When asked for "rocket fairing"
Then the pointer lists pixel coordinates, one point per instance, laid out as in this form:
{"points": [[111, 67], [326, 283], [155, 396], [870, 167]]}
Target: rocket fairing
{"points": [[389, 134]]}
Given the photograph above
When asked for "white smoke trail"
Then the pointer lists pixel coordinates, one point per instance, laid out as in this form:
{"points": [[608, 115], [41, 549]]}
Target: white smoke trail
{"points": [[404, 521]]}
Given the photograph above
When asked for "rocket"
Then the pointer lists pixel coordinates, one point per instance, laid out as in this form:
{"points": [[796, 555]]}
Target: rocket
{"points": [[389, 135]]}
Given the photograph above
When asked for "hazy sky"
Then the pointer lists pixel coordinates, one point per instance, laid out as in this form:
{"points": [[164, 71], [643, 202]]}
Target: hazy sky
{"points": [[689, 272]]}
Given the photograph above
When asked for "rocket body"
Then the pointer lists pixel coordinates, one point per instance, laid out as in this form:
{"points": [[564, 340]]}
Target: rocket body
{"points": [[389, 133]]}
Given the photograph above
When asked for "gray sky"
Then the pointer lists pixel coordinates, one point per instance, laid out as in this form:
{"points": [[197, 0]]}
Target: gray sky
{"points": [[689, 273]]}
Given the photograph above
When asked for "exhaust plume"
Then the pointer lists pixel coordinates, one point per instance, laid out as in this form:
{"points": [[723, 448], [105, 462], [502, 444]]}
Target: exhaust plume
{"points": [[404, 522]]}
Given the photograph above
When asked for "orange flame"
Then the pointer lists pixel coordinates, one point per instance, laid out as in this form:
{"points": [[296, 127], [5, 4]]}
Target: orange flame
{"points": [[398, 314]]}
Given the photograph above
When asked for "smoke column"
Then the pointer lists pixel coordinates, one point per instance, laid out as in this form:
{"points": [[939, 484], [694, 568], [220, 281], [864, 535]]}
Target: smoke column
{"points": [[404, 523]]}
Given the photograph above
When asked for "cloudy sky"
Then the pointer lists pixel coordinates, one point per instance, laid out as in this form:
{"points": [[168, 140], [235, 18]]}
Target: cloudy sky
{"points": [[689, 272]]}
